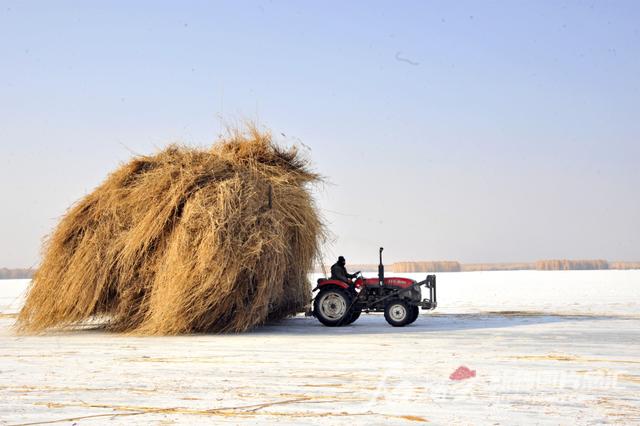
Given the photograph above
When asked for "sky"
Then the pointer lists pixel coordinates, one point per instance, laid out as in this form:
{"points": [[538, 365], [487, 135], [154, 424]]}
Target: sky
{"points": [[471, 131]]}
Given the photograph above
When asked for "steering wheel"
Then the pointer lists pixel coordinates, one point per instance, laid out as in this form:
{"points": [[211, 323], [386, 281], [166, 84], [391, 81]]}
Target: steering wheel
{"points": [[361, 277]]}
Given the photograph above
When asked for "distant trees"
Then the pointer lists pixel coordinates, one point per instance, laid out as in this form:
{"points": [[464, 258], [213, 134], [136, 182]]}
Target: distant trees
{"points": [[565, 264], [519, 266], [624, 265], [455, 266], [436, 266], [6, 273], [427, 266]]}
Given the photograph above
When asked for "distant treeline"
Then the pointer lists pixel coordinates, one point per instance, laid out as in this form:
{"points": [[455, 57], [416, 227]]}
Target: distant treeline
{"points": [[436, 266], [427, 266], [9, 274], [454, 266], [424, 266], [518, 266], [566, 265], [624, 265]]}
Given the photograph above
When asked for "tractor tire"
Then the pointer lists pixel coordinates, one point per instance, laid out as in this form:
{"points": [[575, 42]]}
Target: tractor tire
{"points": [[332, 307], [355, 314], [397, 313], [414, 311]]}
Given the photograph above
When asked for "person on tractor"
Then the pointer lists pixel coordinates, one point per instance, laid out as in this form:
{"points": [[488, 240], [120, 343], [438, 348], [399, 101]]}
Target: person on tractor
{"points": [[339, 271]]}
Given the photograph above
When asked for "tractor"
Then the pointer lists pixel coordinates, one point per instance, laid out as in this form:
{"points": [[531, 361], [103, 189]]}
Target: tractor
{"points": [[340, 303]]}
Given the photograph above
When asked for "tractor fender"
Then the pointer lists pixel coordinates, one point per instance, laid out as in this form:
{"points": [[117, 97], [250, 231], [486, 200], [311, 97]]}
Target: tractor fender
{"points": [[322, 284]]}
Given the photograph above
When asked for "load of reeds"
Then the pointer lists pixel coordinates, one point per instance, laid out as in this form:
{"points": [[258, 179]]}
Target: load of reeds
{"points": [[186, 240]]}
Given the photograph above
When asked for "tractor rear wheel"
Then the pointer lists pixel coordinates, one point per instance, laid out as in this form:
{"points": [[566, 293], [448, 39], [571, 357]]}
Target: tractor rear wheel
{"points": [[397, 313], [332, 307], [414, 311], [355, 314]]}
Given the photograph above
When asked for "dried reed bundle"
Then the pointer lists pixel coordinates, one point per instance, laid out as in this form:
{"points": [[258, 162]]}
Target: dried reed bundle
{"points": [[187, 240]]}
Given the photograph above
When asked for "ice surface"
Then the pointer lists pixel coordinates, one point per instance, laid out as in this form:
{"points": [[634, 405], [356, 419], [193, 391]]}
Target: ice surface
{"points": [[12, 294], [548, 348]]}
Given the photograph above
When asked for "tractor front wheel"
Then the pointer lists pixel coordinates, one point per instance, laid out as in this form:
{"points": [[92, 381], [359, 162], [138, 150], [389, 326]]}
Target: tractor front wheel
{"points": [[414, 311], [332, 307], [397, 313]]}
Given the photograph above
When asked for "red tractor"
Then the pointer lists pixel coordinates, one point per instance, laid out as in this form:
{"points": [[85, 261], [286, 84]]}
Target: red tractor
{"points": [[339, 303]]}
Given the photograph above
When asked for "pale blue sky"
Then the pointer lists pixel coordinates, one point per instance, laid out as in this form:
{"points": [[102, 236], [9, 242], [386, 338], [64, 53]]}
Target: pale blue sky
{"points": [[475, 131]]}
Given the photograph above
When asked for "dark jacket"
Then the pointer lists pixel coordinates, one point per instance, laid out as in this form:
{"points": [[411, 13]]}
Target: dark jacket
{"points": [[339, 272]]}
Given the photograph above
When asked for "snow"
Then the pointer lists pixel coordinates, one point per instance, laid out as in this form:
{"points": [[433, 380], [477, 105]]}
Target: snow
{"points": [[12, 294], [552, 347]]}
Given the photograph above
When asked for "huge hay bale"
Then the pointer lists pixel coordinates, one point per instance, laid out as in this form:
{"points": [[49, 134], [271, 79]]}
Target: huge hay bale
{"points": [[187, 240]]}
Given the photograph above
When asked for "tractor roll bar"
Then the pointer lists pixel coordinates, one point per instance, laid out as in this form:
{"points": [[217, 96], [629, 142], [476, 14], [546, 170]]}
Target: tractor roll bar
{"points": [[381, 269]]}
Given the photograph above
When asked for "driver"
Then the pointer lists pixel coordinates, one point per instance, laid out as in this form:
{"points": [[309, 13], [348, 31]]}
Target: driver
{"points": [[339, 271]]}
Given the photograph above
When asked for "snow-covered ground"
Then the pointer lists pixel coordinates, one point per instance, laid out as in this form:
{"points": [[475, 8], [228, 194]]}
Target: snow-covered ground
{"points": [[546, 348]]}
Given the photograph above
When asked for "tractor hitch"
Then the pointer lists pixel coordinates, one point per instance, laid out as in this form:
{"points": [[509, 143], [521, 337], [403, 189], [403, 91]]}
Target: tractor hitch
{"points": [[430, 303]]}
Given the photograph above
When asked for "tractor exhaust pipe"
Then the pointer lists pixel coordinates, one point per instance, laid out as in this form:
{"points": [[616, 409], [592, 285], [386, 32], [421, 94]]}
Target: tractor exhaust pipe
{"points": [[381, 269]]}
